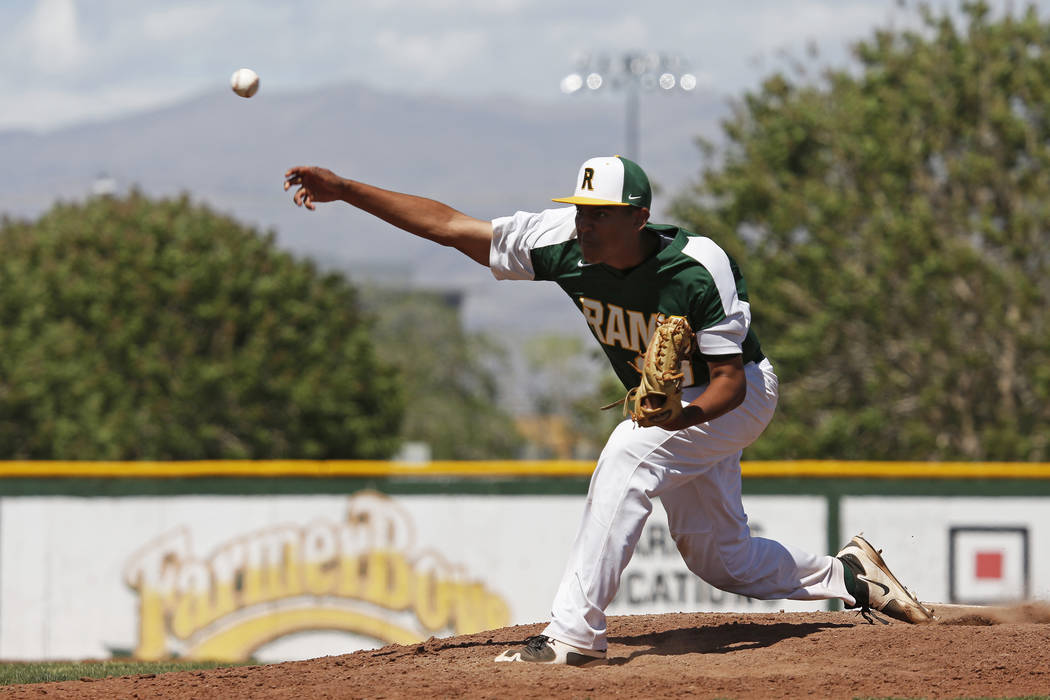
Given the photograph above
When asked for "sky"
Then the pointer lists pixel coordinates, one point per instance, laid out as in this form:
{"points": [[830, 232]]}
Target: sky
{"points": [[69, 61]]}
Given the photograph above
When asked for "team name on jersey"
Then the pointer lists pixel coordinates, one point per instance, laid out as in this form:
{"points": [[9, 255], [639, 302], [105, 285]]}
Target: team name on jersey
{"points": [[625, 328]]}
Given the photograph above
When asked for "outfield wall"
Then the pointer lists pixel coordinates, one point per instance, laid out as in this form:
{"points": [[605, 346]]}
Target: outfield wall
{"points": [[282, 560]]}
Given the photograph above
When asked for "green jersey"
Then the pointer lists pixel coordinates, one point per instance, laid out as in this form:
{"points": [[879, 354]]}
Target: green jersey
{"points": [[690, 275]]}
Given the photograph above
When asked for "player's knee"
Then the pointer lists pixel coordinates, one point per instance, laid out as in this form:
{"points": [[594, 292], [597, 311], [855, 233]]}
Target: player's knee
{"points": [[693, 554], [730, 567]]}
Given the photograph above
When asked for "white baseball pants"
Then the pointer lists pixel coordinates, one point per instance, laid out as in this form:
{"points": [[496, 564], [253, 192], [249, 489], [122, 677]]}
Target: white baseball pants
{"points": [[696, 473]]}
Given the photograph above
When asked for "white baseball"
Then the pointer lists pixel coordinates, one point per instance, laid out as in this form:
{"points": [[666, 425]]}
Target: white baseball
{"points": [[245, 82]]}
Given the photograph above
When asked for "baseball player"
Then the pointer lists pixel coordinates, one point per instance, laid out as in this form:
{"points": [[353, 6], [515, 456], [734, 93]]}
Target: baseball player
{"points": [[625, 275]]}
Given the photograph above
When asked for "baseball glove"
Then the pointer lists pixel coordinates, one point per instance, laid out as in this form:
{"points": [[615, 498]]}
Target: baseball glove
{"points": [[658, 397]]}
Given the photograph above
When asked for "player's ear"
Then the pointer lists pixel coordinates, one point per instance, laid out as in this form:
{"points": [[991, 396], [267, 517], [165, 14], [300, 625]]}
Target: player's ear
{"points": [[641, 216]]}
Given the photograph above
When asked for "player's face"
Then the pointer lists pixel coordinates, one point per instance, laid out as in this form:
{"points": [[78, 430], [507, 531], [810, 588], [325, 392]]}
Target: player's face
{"points": [[610, 234]]}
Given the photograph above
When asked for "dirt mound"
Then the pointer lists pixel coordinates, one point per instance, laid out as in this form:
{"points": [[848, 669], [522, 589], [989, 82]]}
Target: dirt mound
{"points": [[704, 655], [993, 615]]}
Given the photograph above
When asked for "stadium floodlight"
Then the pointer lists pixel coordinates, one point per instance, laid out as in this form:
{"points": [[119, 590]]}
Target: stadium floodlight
{"points": [[632, 72], [571, 83]]}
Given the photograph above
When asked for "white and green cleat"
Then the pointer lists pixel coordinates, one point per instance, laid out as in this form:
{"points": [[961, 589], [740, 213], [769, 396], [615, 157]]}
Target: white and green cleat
{"points": [[874, 586], [544, 650]]}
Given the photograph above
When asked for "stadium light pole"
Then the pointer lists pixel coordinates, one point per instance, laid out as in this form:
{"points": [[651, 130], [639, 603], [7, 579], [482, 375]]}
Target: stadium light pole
{"points": [[632, 72]]}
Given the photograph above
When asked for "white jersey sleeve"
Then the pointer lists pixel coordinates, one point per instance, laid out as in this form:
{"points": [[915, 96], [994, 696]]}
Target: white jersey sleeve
{"points": [[515, 237], [724, 318]]}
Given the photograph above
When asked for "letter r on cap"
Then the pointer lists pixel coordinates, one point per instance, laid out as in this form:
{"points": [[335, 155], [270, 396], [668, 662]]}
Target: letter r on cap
{"points": [[588, 179]]}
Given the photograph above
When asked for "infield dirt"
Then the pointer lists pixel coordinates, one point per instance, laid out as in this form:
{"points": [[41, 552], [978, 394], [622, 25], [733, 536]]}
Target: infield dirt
{"points": [[968, 652]]}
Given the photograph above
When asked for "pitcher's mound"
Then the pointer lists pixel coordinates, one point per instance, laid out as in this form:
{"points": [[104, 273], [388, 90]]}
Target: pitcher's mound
{"points": [[973, 653]]}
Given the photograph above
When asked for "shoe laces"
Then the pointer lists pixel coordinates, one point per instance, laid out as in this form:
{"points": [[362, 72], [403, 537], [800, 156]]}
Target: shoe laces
{"points": [[537, 642], [869, 615]]}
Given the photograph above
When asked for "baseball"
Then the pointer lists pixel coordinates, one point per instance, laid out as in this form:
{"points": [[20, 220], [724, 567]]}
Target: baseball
{"points": [[245, 82]]}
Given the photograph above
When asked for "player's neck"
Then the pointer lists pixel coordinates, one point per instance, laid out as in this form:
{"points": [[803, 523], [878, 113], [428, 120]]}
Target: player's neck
{"points": [[647, 246]]}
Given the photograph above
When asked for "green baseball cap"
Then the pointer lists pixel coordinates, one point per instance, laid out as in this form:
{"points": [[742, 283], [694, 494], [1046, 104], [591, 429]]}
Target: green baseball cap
{"points": [[611, 180]]}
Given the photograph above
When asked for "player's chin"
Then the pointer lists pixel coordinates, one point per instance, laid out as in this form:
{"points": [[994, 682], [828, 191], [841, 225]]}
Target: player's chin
{"points": [[591, 254]]}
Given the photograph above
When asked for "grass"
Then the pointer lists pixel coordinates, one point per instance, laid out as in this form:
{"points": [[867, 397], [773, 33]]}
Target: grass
{"points": [[49, 671]]}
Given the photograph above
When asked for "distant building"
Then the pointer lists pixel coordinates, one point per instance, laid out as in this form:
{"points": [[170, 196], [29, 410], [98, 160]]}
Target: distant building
{"points": [[103, 186]]}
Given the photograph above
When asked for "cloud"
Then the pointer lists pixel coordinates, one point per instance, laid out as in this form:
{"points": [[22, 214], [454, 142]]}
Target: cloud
{"points": [[492, 7], [431, 55], [101, 52], [792, 23], [50, 36], [180, 21], [44, 107], [614, 32]]}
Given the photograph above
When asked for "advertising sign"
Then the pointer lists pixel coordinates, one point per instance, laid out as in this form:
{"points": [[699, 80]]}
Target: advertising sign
{"points": [[286, 577], [233, 578]]}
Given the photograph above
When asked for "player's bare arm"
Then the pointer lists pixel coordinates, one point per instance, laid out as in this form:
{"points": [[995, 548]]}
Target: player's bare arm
{"points": [[726, 390], [420, 216]]}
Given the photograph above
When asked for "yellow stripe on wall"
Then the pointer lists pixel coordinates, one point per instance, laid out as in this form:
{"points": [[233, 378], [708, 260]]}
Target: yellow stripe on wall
{"points": [[552, 468], [899, 470], [290, 468]]}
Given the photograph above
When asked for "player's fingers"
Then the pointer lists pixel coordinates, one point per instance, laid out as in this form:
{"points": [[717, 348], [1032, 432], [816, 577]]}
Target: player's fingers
{"points": [[309, 201], [294, 176]]}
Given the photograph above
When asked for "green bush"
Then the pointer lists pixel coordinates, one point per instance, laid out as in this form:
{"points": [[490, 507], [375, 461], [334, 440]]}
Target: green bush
{"points": [[134, 329]]}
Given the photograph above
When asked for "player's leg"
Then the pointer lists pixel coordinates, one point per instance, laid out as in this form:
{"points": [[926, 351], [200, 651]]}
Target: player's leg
{"points": [[619, 500], [632, 470], [706, 516], [636, 465], [707, 521], [708, 525]]}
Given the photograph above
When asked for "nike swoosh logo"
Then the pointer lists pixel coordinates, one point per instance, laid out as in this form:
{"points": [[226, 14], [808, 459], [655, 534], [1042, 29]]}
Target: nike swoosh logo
{"points": [[883, 586], [585, 264], [634, 196]]}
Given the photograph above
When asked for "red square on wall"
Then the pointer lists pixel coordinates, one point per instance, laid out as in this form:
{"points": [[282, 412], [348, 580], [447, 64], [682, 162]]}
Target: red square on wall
{"points": [[988, 564]]}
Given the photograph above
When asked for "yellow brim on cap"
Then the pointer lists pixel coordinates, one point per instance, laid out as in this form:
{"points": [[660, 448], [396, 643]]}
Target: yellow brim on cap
{"points": [[591, 200]]}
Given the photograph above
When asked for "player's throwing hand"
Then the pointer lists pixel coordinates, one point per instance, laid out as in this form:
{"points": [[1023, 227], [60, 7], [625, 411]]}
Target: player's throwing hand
{"points": [[315, 185]]}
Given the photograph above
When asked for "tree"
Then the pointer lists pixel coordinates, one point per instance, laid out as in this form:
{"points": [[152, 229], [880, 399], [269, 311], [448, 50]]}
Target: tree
{"points": [[138, 329], [570, 379], [893, 223], [449, 374]]}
